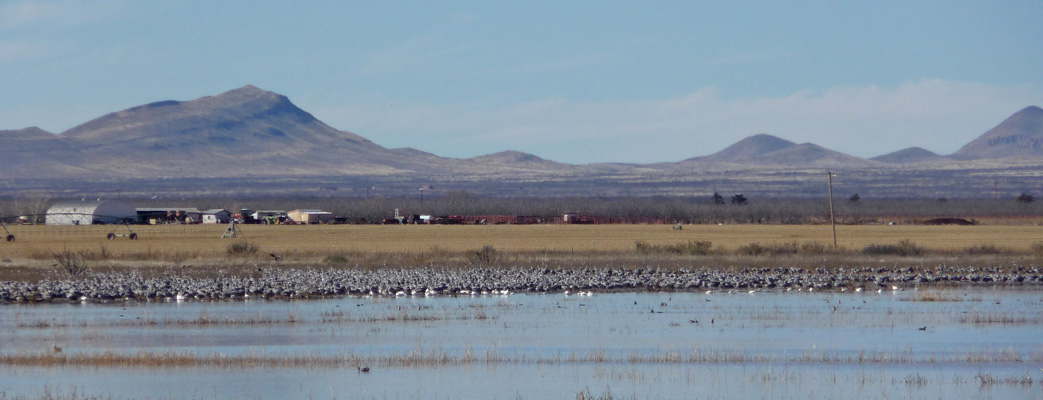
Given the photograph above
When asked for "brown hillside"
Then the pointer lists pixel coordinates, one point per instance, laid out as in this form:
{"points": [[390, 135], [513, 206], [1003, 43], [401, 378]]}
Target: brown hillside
{"points": [[1020, 135]]}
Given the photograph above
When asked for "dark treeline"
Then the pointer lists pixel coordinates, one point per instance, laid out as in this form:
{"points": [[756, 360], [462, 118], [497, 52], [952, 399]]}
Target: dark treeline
{"points": [[698, 210]]}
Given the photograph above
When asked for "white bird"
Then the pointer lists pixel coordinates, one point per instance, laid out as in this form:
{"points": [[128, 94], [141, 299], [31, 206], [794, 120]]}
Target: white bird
{"points": [[400, 293], [709, 292], [180, 297], [858, 289], [893, 287], [567, 292]]}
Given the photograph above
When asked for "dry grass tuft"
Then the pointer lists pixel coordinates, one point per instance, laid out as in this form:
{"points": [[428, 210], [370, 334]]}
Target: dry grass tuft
{"points": [[905, 247], [420, 357], [242, 248], [807, 248], [1037, 248], [934, 295], [984, 249], [691, 248]]}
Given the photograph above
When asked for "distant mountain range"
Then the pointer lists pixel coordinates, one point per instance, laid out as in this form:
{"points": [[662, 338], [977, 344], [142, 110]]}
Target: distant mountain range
{"points": [[250, 133], [768, 150]]}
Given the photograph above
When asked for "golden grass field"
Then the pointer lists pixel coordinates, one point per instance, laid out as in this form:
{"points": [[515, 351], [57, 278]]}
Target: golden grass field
{"points": [[204, 241]]}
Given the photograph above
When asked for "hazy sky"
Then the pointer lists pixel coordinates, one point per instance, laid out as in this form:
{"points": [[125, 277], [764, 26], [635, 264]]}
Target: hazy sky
{"points": [[571, 81]]}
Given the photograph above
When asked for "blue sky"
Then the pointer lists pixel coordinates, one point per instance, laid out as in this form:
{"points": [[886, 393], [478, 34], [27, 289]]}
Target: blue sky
{"points": [[577, 82]]}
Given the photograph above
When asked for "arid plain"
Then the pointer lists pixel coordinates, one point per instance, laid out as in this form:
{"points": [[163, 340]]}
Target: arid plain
{"points": [[422, 244]]}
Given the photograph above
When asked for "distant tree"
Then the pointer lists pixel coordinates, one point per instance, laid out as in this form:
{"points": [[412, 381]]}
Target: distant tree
{"points": [[739, 200], [718, 199], [1026, 198], [854, 198]]}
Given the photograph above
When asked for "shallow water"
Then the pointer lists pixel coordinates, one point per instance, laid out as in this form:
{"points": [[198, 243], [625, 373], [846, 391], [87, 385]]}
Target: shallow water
{"points": [[977, 343]]}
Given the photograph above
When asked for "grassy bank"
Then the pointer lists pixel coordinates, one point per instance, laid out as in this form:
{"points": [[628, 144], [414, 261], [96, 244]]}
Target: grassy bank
{"points": [[42, 250]]}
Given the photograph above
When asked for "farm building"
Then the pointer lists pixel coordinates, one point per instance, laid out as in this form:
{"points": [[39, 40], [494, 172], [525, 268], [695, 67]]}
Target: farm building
{"points": [[216, 216], [170, 215], [310, 216], [87, 212], [269, 217]]}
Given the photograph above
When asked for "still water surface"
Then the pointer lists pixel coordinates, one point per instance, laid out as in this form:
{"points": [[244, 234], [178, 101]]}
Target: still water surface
{"points": [[985, 343]]}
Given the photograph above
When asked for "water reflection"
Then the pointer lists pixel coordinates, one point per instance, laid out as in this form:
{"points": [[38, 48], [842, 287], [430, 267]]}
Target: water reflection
{"points": [[951, 343]]}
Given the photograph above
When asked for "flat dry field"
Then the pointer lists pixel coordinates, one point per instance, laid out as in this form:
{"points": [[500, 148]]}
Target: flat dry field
{"points": [[193, 241]]}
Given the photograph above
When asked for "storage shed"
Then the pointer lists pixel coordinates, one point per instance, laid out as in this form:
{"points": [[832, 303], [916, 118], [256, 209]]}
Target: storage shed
{"points": [[216, 216], [170, 215], [310, 216], [87, 212]]}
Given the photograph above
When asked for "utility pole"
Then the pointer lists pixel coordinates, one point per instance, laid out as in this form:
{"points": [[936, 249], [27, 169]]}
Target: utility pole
{"points": [[421, 197], [832, 219]]}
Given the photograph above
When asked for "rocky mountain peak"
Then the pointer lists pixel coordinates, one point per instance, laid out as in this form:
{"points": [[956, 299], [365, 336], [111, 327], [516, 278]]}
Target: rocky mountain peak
{"points": [[1020, 135]]}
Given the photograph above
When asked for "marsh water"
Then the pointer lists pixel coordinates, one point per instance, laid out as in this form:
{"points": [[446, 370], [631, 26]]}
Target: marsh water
{"points": [[941, 343]]}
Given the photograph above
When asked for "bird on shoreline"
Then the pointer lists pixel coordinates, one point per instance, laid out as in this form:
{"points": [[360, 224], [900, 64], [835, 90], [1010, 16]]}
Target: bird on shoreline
{"points": [[363, 369]]}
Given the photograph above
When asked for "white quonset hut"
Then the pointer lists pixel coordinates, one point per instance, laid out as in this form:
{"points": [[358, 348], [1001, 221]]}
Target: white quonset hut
{"points": [[87, 212]]}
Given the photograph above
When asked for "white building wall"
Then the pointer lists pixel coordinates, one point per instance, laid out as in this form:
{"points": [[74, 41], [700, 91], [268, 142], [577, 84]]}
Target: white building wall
{"points": [[82, 215], [89, 212]]}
